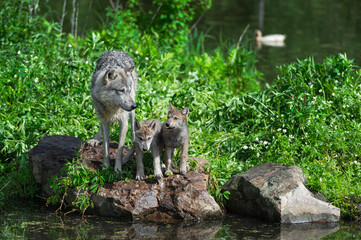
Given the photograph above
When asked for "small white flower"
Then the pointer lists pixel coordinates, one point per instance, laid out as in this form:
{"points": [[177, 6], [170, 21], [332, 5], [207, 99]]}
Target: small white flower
{"points": [[333, 94], [36, 80], [355, 162], [308, 122], [26, 70], [86, 62], [320, 179], [344, 106], [316, 116], [159, 82], [136, 52], [257, 154], [265, 142], [320, 90], [284, 130], [291, 136], [314, 98], [245, 147], [335, 88], [146, 58], [257, 139], [19, 52], [41, 67], [164, 88], [69, 45]]}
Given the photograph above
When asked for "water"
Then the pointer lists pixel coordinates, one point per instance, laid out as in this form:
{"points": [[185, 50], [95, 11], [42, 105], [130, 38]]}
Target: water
{"points": [[312, 28], [33, 220]]}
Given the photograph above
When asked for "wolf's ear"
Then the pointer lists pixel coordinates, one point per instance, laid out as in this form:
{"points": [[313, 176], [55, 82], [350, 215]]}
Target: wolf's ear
{"points": [[171, 107], [137, 125], [109, 75], [129, 69], [152, 125], [185, 111]]}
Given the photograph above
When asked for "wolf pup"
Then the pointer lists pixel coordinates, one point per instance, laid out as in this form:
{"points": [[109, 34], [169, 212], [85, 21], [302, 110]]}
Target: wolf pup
{"points": [[147, 137], [113, 89], [175, 134]]}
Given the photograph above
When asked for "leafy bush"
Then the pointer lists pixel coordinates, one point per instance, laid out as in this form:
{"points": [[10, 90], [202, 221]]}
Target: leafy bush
{"points": [[310, 117]]}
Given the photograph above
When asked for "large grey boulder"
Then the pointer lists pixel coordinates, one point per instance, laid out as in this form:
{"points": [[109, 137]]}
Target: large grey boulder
{"points": [[277, 193], [176, 197]]}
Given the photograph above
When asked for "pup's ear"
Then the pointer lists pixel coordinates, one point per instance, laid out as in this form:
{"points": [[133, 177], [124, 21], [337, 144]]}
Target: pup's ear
{"points": [[185, 111], [170, 107], [129, 69], [137, 125], [152, 125], [109, 76]]}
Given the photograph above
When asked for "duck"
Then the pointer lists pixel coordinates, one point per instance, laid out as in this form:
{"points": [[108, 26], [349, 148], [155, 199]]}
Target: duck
{"points": [[276, 40]]}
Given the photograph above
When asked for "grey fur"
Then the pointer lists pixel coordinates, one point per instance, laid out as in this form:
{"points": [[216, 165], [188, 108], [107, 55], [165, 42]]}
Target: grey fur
{"points": [[147, 137], [113, 90], [175, 134]]}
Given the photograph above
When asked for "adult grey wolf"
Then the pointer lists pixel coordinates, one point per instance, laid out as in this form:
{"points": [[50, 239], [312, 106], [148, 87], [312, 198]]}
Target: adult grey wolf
{"points": [[147, 137], [113, 90], [175, 134]]}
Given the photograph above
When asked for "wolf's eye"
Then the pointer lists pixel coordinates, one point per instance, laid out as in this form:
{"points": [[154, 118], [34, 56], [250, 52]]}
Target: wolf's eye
{"points": [[140, 138], [120, 90], [148, 138], [175, 118]]}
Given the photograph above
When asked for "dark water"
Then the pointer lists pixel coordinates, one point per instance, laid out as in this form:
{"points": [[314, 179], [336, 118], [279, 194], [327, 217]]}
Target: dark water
{"points": [[313, 28], [32, 220]]}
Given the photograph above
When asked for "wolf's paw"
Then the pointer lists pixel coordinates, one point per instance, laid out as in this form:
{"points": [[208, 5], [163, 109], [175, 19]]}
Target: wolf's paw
{"points": [[182, 172], [158, 175], [93, 142], [140, 177]]}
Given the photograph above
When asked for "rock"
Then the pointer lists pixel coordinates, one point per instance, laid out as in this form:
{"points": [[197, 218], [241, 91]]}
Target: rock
{"points": [[277, 193], [49, 156], [176, 197]]}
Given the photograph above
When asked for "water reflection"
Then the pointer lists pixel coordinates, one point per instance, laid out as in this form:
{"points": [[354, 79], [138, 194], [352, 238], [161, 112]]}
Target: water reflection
{"points": [[34, 221]]}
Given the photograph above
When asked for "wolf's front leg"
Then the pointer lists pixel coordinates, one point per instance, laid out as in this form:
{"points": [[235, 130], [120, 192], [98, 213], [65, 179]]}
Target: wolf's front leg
{"points": [[140, 167], [168, 160], [156, 163], [132, 121], [183, 160], [105, 131], [123, 127]]}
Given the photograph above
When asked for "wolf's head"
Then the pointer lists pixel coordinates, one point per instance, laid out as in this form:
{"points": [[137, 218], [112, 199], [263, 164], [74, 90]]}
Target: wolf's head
{"points": [[116, 87], [176, 118], [144, 134]]}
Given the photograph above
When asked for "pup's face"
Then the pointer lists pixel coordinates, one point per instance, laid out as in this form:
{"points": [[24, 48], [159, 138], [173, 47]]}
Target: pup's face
{"points": [[176, 118], [144, 135], [118, 86]]}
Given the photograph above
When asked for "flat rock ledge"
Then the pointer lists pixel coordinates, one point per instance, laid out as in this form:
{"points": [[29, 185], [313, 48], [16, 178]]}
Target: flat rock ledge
{"points": [[173, 198], [277, 193]]}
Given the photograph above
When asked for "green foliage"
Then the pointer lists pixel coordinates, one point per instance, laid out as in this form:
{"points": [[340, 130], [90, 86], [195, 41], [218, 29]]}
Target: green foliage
{"points": [[169, 19], [77, 179], [310, 116]]}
